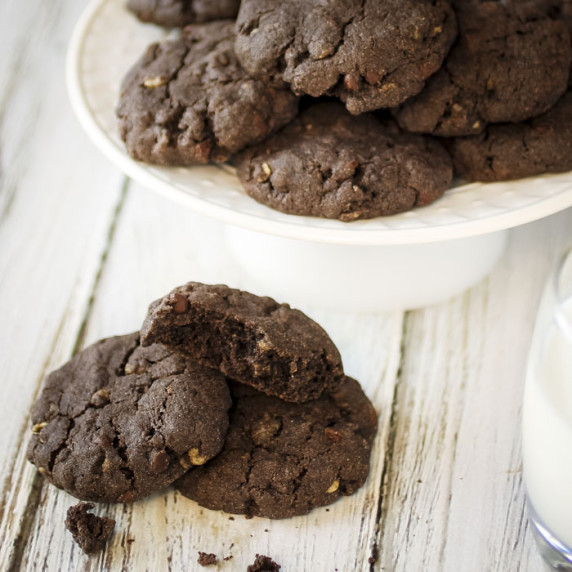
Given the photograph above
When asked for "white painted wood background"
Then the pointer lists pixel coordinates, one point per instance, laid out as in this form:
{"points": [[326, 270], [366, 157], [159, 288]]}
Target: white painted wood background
{"points": [[82, 253]]}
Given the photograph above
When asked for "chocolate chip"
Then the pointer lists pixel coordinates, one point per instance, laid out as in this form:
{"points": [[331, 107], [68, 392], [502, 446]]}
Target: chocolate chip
{"points": [[373, 77], [332, 434], [160, 462], [179, 303], [350, 82]]}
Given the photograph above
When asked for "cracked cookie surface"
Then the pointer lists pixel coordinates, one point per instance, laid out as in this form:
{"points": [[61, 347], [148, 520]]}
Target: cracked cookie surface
{"points": [[119, 421], [189, 100], [249, 338], [514, 151], [178, 13], [370, 53], [329, 164], [282, 459], [509, 64]]}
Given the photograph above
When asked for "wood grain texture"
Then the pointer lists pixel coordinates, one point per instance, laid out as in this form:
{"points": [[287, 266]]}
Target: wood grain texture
{"points": [[57, 200], [454, 498], [152, 240], [81, 256]]}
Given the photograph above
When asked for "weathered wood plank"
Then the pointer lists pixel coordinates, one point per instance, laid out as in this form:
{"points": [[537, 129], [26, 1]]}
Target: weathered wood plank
{"points": [[445, 350], [158, 246], [454, 497], [57, 198]]}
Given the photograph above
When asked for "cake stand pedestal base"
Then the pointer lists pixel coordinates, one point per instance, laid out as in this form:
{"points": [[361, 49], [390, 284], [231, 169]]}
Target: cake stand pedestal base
{"points": [[358, 278]]}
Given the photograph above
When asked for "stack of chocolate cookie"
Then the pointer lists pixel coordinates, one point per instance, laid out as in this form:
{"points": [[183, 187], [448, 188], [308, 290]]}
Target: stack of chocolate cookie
{"points": [[240, 401], [413, 86]]}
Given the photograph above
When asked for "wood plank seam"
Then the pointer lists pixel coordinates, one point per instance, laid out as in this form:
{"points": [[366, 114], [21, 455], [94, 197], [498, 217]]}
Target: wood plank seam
{"points": [[20, 53], [104, 255], [387, 460], [23, 434], [8, 192], [7, 197], [25, 529], [21, 536]]}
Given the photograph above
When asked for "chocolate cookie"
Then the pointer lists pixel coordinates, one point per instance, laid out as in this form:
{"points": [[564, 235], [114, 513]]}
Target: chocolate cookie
{"points": [[189, 100], [178, 13], [561, 10], [371, 54], [557, 9], [508, 65], [91, 532], [330, 164], [283, 459], [565, 14], [119, 421], [250, 339], [513, 151]]}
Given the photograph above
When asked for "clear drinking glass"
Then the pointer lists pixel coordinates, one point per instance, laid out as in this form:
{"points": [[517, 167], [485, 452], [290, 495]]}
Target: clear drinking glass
{"points": [[547, 422]]}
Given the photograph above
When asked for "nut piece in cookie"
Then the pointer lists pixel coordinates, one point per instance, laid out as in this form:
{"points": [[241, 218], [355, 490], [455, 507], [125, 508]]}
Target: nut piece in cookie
{"points": [[189, 100], [284, 459], [91, 532], [178, 13], [514, 151], [371, 54], [508, 65], [249, 338], [119, 421], [263, 564], [332, 165]]}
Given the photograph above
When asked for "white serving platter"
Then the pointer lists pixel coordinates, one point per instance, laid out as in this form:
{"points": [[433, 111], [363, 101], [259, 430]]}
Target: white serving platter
{"points": [[403, 261], [108, 40]]}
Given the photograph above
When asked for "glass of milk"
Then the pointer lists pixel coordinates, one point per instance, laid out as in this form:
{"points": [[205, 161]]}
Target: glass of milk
{"points": [[547, 422]]}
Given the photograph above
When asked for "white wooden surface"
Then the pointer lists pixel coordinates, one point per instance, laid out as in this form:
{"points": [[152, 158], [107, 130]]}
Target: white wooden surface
{"points": [[82, 253]]}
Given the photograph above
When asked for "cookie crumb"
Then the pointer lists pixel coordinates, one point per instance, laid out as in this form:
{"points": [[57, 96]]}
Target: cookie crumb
{"points": [[206, 559], [130, 540], [373, 558], [263, 564], [226, 558], [91, 532], [231, 518]]}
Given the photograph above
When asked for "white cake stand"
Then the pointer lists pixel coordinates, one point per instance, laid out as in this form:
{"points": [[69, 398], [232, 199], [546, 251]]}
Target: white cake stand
{"points": [[404, 261]]}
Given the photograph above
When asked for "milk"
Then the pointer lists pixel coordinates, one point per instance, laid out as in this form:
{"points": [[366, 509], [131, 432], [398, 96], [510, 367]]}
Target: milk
{"points": [[547, 429]]}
